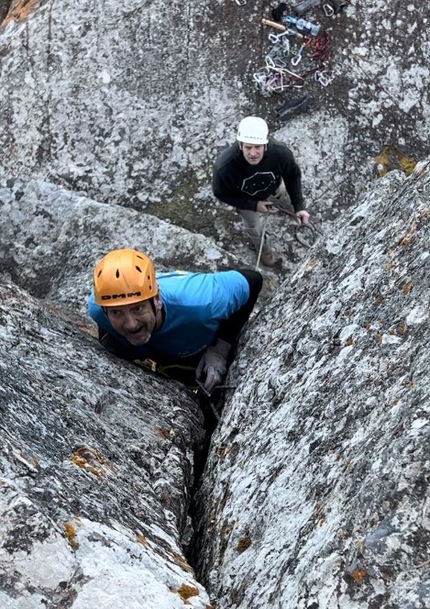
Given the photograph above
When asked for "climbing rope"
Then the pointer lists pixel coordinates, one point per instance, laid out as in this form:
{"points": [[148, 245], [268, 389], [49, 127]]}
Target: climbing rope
{"points": [[263, 236], [298, 229]]}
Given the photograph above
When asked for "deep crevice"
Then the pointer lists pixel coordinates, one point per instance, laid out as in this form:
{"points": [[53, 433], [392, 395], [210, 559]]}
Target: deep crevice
{"points": [[201, 454], [4, 9]]}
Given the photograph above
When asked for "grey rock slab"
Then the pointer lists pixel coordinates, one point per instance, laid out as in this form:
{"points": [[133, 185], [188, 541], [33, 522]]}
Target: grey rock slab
{"points": [[100, 96], [96, 462], [52, 238], [316, 490], [130, 102]]}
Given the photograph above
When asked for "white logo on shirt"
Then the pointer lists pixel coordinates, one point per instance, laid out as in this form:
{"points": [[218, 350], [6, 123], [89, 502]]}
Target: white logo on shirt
{"points": [[258, 182]]}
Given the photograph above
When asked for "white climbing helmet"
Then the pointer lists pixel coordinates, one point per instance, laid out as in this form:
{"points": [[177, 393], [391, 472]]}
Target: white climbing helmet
{"points": [[253, 130]]}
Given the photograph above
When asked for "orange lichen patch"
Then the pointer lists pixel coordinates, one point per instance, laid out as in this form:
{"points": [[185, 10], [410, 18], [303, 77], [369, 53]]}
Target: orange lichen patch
{"points": [[221, 452], [89, 330], [311, 265], [226, 451], [91, 461], [318, 514], [70, 533], [409, 384], [141, 539], [186, 591], [406, 287], [76, 320], [358, 575], [321, 521], [163, 433], [243, 544], [178, 560], [391, 158], [399, 329], [20, 10], [410, 234]]}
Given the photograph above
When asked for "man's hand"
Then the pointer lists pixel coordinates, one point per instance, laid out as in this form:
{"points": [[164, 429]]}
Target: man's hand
{"points": [[266, 207], [303, 216], [213, 365]]}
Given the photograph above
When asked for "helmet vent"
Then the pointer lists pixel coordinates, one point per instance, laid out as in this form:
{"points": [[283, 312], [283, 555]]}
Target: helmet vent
{"points": [[117, 273], [99, 273], [138, 269]]}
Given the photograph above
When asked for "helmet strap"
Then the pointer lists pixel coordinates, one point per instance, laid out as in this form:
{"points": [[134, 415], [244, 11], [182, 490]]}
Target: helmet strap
{"points": [[158, 310]]}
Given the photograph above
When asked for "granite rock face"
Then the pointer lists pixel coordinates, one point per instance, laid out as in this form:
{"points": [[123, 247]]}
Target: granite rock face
{"points": [[316, 492], [96, 462], [316, 488], [52, 238], [99, 97], [130, 101]]}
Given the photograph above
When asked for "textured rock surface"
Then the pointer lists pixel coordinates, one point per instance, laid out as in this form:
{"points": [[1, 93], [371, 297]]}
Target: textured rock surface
{"points": [[129, 102], [52, 237], [316, 493], [96, 468], [106, 93]]}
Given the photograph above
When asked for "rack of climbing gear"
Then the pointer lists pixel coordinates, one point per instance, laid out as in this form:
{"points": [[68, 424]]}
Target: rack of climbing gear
{"points": [[300, 50], [292, 60]]}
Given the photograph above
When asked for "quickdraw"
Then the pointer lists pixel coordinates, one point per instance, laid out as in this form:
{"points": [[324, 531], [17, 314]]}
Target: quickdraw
{"points": [[292, 60]]}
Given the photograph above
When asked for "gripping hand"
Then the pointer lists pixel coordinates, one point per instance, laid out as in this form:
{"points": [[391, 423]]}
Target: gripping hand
{"points": [[213, 365]]}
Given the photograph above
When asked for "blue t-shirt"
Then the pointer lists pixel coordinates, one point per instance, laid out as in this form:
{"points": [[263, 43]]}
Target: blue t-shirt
{"points": [[194, 306]]}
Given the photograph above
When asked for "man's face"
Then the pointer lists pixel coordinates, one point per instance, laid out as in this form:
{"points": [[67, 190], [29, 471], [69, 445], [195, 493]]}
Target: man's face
{"points": [[253, 154], [136, 322]]}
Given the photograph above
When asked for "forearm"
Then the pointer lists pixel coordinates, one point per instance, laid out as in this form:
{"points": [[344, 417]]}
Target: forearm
{"points": [[296, 196], [237, 202]]}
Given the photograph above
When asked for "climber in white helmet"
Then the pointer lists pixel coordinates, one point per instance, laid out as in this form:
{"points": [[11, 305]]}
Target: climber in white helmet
{"points": [[255, 169]]}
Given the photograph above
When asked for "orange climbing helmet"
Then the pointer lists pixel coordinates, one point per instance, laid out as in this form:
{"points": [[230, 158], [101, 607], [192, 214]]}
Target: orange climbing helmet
{"points": [[124, 277]]}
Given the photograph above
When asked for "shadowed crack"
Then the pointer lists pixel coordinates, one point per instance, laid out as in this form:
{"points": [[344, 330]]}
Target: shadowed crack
{"points": [[4, 8]]}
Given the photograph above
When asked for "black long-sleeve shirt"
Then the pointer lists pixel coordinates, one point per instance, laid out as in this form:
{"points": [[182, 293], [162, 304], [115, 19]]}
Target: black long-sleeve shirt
{"points": [[240, 184]]}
